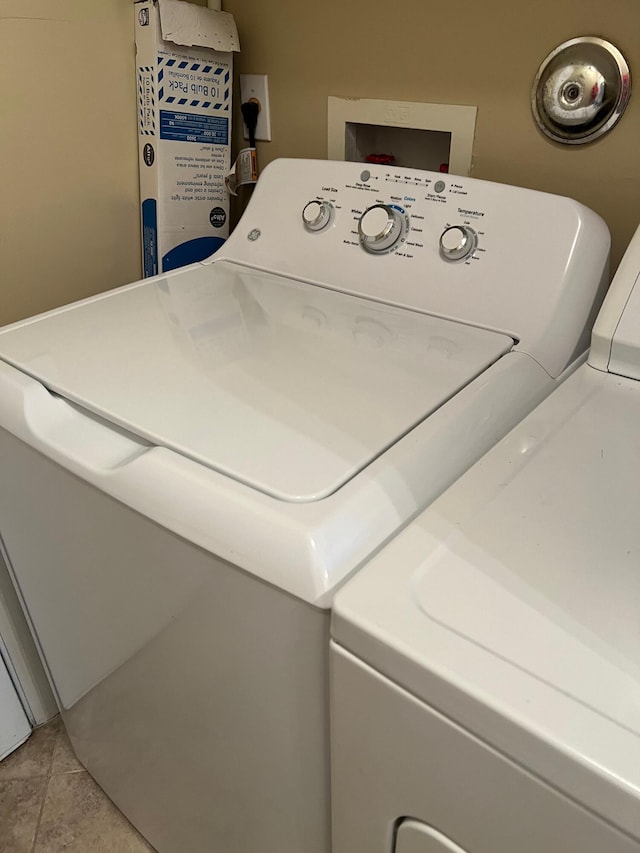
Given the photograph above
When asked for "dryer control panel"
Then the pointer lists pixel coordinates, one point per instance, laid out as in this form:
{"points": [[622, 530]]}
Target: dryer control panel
{"points": [[504, 258]]}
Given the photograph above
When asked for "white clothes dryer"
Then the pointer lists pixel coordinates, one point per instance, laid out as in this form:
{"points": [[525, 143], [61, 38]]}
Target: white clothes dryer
{"points": [[485, 664], [194, 463]]}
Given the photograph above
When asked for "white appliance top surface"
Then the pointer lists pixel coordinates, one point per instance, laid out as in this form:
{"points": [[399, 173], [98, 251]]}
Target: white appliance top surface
{"points": [[287, 387], [513, 603], [625, 347], [538, 272], [615, 341]]}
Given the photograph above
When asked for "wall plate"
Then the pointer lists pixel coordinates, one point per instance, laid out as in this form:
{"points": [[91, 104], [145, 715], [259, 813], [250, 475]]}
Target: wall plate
{"points": [[257, 86], [404, 126]]}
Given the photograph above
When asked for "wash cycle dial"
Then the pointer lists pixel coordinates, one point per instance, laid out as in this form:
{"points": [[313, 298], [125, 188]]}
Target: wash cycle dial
{"points": [[316, 215], [458, 242], [381, 227]]}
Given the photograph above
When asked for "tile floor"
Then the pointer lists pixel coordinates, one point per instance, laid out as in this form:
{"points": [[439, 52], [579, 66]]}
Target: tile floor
{"points": [[49, 804]]}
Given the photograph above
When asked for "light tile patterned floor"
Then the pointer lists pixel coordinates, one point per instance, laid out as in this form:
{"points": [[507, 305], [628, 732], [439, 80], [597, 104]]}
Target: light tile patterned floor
{"points": [[49, 804]]}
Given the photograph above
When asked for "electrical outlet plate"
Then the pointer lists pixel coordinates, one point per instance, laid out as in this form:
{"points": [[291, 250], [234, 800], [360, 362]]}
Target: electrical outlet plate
{"points": [[257, 86]]}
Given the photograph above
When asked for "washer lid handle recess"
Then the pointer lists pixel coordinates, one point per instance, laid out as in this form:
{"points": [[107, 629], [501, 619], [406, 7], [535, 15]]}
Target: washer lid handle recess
{"points": [[581, 90]]}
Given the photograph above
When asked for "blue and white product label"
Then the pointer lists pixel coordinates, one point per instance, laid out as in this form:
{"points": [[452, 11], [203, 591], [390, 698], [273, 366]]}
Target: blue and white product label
{"points": [[194, 111], [187, 127]]}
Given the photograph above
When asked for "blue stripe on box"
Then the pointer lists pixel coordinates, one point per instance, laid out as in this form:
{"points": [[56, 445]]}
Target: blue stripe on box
{"points": [[191, 252], [149, 237]]}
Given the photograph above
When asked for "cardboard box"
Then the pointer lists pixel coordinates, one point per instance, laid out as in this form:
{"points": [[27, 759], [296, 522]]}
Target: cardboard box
{"points": [[184, 64]]}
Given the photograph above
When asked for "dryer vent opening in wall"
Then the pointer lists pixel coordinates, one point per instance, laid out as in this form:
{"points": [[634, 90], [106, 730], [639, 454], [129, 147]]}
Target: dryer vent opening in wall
{"points": [[408, 146], [419, 136]]}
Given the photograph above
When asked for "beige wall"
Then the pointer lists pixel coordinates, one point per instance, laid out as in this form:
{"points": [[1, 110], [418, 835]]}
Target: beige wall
{"points": [[481, 53], [68, 152], [68, 163]]}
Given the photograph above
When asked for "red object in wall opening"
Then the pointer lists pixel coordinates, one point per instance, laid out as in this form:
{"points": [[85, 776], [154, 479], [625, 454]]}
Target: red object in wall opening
{"points": [[381, 159]]}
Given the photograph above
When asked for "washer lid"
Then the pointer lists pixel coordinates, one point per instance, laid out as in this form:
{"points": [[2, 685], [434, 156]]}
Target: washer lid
{"points": [[285, 386], [414, 836]]}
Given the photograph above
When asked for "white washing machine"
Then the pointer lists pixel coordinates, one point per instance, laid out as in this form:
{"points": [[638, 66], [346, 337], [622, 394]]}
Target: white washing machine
{"points": [[192, 464], [486, 663]]}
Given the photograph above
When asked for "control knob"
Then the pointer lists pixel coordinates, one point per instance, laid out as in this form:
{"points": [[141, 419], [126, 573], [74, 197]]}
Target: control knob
{"points": [[381, 227], [458, 242], [316, 215]]}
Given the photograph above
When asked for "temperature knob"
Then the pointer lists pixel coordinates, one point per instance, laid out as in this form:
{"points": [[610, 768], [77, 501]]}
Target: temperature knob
{"points": [[382, 227], [316, 215], [458, 242]]}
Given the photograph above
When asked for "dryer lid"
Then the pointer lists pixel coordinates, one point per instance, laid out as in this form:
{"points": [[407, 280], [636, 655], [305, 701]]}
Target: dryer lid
{"points": [[512, 604], [288, 387], [615, 340], [625, 346]]}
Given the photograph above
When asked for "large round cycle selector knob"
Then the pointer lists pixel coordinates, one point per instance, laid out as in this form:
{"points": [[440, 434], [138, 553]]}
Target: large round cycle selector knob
{"points": [[458, 242], [382, 227], [316, 215]]}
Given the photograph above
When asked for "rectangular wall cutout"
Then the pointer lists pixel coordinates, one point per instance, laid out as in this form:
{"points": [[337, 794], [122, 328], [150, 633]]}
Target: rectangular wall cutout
{"points": [[418, 149], [418, 136]]}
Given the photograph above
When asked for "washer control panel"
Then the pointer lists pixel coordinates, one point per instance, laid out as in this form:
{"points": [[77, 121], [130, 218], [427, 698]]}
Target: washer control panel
{"points": [[402, 213]]}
